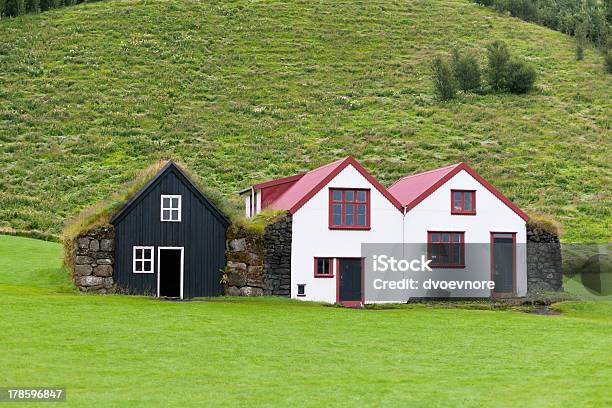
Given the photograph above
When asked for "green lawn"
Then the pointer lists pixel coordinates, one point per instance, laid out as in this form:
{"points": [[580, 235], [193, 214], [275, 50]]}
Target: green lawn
{"points": [[242, 91], [134, 351]]}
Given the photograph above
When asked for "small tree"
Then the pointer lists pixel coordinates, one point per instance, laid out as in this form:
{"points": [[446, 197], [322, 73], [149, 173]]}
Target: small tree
{"points": [[466, 71], [442, 76], [520, 77], [498, 56]]}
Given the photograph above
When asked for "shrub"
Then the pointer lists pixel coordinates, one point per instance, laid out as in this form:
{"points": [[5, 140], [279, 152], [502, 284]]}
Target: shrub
{"points": [[14, 7], [466, 71], [608, 57], [442, 76], [498, 56], [580, 41], [520, 77]]}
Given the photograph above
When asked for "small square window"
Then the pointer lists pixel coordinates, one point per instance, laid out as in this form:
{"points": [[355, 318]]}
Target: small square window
{"points": [[171, 208], [463, 202], [323, 268], [301, 289], [143, 259]]}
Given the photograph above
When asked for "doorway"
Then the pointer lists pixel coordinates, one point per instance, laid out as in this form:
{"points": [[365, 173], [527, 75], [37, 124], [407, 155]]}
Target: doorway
{"points": [[170, 272], [503, 262], [350, 281]]}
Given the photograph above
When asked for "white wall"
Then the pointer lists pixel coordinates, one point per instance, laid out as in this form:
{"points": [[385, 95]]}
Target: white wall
{"points": [[247, 205], [313, 238], [492, 215]]}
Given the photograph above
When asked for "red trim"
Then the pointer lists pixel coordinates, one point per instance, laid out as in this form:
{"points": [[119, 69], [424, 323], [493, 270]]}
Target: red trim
{"points": [[323, 275], [461, 242], [350, 303], [478, 177], [454, 211], [349, 160], [276, 182], [343, 226], [493, 292]]}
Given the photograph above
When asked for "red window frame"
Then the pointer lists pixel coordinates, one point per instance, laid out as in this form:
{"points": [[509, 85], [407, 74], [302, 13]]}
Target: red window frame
{"points": [[462, 210], [317, 273], [451, 248], [345, 203]]}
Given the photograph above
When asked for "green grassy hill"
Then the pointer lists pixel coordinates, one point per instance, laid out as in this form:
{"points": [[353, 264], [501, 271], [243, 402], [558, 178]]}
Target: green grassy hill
{"points": [[244, 91]]}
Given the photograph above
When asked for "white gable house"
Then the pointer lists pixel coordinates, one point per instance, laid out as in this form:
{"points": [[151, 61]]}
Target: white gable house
{"points": [[338, 207]]}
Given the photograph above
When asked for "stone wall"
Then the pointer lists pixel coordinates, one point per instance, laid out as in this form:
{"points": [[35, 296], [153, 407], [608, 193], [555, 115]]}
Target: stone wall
{"points": [[277, 256], [94, 259], [259, 263], [544, 269]]}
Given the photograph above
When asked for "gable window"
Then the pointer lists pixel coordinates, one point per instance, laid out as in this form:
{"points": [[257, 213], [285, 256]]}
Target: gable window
{"points": [[143, 259], [323, 268], [349, 208], [171, 208], [446, 249], [301, 289], [463, 202]]}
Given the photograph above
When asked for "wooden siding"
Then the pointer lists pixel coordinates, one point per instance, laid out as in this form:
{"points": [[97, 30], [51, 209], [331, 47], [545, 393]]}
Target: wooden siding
{"points": [[201, 232]]}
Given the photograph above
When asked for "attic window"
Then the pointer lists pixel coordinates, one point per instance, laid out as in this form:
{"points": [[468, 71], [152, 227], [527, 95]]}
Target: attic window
{"points": [[349, 208], [463, 202], [143, 259], [171, 208]]}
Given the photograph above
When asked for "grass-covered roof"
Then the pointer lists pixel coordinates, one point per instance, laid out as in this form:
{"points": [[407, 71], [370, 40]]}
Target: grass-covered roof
{"points": [[102, 212]]}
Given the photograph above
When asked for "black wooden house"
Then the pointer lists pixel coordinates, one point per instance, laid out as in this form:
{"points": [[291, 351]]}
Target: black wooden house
{"points": [[170, 239]]}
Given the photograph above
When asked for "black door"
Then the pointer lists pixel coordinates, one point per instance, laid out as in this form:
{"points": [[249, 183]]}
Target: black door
{"points": [[350, 280], [170, 272], [503, 262]]}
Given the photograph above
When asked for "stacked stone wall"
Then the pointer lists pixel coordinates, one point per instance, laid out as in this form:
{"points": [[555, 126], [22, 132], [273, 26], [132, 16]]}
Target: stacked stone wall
{"points": [[94, 260], [259, 263]]}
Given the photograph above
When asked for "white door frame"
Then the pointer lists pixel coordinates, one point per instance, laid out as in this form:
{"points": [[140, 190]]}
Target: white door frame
{"points": [[182, 265]]}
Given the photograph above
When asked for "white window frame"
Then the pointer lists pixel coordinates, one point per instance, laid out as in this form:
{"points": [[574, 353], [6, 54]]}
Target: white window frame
{"points": [[162, 208], [134, 259]]}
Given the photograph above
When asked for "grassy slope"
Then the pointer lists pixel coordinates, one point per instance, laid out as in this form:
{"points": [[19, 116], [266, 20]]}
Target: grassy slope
{"points": [[250, 90], [133, 351]]}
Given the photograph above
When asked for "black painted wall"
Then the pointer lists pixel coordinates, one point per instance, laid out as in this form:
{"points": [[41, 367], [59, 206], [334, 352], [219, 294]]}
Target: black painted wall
{"points": [[201, 232]]}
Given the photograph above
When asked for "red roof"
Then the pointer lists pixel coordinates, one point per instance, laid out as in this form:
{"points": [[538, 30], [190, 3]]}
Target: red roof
{"points": [[411, 190], [305, 186], [408, 189]]}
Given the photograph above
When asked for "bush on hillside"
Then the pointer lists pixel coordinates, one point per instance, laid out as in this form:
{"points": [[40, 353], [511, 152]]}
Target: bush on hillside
{"points": [[466, 71], [498, 57], [561, 15], [442, 76], [14, 7], [580, 42], [520, 77], [608, 58]]}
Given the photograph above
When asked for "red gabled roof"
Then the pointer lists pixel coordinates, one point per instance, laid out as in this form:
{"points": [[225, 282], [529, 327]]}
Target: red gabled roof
{"points": [[311, 182], [411, 190]]}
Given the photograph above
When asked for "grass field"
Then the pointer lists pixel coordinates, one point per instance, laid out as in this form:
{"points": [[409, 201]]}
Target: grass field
{"points": [[135, 351], [243, 91]]}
